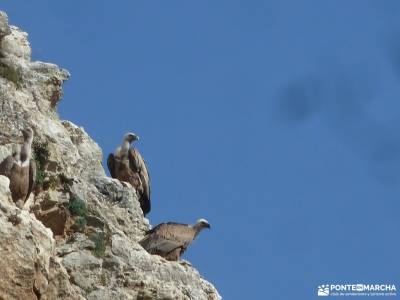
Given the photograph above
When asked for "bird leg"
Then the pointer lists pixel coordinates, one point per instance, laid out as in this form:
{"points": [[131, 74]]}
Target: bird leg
{"points": [[174, 255]]}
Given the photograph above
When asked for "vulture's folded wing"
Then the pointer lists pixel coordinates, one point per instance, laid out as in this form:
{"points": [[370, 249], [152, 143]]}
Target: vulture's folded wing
{"points": [[138, 164], [111, 165], [32, 177], [167, 237]]}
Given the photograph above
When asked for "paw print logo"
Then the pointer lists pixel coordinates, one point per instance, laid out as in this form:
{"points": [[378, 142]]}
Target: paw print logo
{"points": [[323, 290]]}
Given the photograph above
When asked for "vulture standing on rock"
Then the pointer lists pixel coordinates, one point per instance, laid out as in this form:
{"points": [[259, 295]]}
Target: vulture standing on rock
{"points": [[126, 164], [170, 240], [21, 170]]}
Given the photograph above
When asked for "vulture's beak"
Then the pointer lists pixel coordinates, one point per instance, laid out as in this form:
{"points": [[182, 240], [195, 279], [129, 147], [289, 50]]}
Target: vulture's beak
{"points": [[207, 226], [133, 137]]}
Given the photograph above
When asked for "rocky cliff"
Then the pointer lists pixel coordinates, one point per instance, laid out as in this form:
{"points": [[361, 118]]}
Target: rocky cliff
{"points": [[76, 237]]}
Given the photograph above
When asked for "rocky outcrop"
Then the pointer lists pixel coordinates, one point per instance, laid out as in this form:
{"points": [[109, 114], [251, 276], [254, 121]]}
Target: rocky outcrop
{"points": [[76, 237]]}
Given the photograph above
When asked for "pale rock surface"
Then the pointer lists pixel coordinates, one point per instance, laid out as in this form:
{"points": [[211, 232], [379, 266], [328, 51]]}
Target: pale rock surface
{"points": [[5, 194], [94, 255]]}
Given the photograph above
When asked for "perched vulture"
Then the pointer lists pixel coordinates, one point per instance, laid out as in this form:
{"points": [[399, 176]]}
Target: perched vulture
{"points": [[126, 164], [21, 170], [170, 240]]}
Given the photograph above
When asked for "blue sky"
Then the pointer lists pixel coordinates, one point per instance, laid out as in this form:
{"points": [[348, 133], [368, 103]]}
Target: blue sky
{"points": [[276, 121]]}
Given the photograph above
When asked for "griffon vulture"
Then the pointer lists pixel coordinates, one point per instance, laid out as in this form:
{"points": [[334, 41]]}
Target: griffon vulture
{"points": [[126, 164], [170, 240], [21, 170]]}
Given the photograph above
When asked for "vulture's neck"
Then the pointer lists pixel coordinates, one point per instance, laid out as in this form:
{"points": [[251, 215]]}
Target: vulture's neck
{"points": [[197, 228], [16, 155], [125, 147], [26, 150]]}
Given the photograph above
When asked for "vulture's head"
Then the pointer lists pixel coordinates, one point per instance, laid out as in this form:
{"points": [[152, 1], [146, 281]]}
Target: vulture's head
{"points": [[203, 223], [131, 137], [27, 133]]}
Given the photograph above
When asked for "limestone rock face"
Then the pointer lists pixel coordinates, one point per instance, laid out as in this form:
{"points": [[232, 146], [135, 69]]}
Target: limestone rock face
{"points": [[76, 237], [25, 248]]}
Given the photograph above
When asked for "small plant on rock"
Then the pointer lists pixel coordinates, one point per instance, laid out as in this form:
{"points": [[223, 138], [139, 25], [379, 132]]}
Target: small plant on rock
{"points": [[41, 152], [40, 155], [40, 176], [12, 74], [77, 207], [99, 244], [103, 279], [88, 290], [80, 223]]}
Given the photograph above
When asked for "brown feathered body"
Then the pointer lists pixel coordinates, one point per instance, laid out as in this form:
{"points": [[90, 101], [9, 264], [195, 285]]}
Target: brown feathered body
{"points": [[130, 167], [22, 174], [170, 240], [122, 171], [22, 179]]}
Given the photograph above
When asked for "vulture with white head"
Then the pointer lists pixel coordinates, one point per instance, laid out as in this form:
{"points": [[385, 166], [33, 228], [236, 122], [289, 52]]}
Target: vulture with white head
{"points": [[170, 240], [21, 170], [128, 165]]}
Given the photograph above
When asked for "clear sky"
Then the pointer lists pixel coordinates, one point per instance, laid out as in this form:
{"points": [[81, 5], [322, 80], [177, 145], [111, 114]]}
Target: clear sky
{"points": [[276, 121]]}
